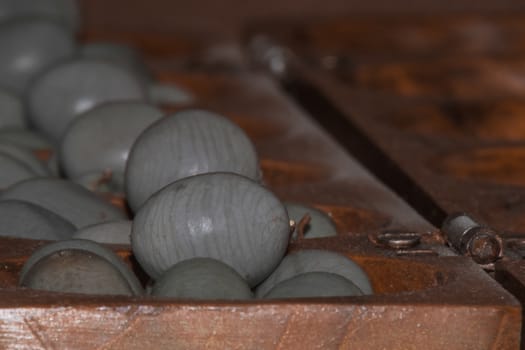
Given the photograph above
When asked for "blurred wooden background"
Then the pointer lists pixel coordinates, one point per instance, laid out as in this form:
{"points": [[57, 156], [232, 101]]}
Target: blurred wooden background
{"points": [[221, 19]]}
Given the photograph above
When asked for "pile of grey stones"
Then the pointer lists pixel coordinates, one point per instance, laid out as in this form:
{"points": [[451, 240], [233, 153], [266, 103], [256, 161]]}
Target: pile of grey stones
{"points": [[80, 123]]}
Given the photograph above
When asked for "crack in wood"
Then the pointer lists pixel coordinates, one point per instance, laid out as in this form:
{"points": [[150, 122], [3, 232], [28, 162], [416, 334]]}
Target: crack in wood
{"points": [[501, 327], [132, 319], [284, 334], [38, 332]]}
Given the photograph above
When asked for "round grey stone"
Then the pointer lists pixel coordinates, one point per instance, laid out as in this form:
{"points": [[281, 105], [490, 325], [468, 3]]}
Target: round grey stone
{"points": [[187, 143], [320, 224], [203, 279], [61, 94], [100, 139], [26, 157], [168, 94], [223, 216], [79, 266], [29, 139], [29, 46], [102, 182], [67, 199], [63, 11], [314, 285], [112, 232], [13, 171], [12, 113], [313, 260], [25, 220], [118, 54]]}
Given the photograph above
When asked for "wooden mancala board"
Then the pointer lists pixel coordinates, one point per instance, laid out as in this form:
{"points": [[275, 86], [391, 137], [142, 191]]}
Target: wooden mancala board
{"points": [[441, 99], [426, 296]]}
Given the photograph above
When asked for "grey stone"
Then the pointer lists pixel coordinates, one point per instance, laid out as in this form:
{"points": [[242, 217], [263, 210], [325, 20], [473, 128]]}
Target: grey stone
{"points": [[30, 46], [313, 260], [79, 266], [187, 143], [112, 232], [63, 93], [13, 171], [26, 220], [66, 12], [202, 279], [314, 285], [67, 199], [100, 139], [12, 114], [320, 225], [223, 216]]}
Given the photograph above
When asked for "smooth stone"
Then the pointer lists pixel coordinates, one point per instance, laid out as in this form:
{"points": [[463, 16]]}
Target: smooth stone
{"points": [[119, 54], [34, 143], [13, 171], [12, 113], [53, 165], [79, 266], [186, 143], [29, 139], [320, 225], [314, 285], [67, 199], [223, 216], [102, 182], [102, 82], [113, 232], [62, 11], [202, 279], [168, 94], [313, 260], [25, 220], [25, 157], [30, 46], [100, 139]]}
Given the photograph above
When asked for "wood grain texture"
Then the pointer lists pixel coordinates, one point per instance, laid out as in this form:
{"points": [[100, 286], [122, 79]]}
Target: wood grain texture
{"points": [[44, 321], [452, 123], [199, 19]]}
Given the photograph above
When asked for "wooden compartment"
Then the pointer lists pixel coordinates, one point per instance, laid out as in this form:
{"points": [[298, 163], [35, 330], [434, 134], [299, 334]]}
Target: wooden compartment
{"points": [[433, 302], [426, 296], [448, 116]]}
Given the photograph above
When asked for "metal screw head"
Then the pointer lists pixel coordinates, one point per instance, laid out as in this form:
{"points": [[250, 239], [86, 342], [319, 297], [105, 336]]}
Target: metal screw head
{"points": [[399, 239], [269, 55], [485, 247]]}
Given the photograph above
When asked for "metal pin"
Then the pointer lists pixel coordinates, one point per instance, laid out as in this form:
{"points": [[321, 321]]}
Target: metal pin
{"points": [[470, 238]]}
